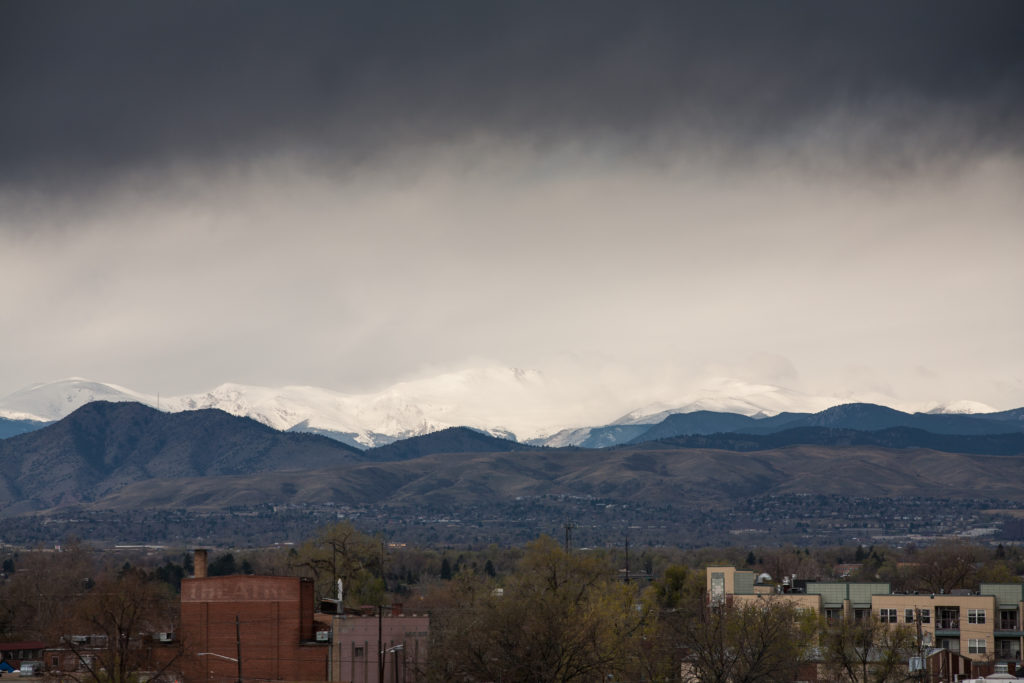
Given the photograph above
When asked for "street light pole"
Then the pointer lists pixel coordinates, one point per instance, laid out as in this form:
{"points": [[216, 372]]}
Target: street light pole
{"points": [[394, 650], [236, 660]]}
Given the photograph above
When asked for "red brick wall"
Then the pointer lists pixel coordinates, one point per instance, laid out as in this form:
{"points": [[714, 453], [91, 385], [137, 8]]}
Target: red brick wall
{"points": [[275, 625]]}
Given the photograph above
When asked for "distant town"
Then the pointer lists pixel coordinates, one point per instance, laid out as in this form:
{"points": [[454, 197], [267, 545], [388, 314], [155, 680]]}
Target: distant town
{"points": [[801, 519]]}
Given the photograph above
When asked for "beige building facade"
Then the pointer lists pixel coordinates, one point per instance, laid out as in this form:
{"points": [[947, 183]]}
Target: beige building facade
{"points": [[985, 627]]}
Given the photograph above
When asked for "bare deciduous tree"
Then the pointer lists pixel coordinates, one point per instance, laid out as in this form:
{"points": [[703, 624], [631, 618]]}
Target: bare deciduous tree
{"points": [[762, 641], [122, 612], [945, 566], [866, 651], [559, 618], [340, 551]]}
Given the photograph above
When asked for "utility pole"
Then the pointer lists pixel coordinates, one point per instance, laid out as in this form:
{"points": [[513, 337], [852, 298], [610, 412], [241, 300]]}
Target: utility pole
{"points": [[238, 648], [380, 643], [627, 558], [920, 644], [568, 536], [380, 622], [334, 560]]}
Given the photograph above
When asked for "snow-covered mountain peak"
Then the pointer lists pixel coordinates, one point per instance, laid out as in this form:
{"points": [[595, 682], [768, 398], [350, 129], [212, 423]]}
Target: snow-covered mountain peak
{"points": [[492, 399], [499, 400], [54, 400]]}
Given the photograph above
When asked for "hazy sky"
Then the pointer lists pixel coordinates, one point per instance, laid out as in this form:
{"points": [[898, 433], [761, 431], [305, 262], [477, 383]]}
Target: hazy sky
{"points": [[826, 196]]}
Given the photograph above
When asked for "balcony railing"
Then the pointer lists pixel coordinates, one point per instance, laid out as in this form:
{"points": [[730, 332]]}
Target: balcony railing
{"points": [[947, 624], [1007, 624]]}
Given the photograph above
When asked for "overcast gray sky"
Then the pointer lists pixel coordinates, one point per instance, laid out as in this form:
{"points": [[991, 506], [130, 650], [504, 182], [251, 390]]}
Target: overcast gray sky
{"points": [[826, 196]]}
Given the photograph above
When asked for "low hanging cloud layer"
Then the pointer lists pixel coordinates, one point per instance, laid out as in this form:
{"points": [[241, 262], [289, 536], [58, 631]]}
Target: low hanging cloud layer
{"points": [[631, 199]]}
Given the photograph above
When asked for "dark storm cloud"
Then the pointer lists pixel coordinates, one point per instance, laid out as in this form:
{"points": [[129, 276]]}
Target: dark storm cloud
{"points": [[93, 89]]}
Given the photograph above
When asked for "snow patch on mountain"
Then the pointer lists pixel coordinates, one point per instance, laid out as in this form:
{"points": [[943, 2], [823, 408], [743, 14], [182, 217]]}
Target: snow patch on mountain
{"points": [[727, 395], [959, 408], [564, 437]]}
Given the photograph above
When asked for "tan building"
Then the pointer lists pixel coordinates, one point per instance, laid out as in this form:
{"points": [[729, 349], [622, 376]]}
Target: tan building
{"points": [[985, 627]]}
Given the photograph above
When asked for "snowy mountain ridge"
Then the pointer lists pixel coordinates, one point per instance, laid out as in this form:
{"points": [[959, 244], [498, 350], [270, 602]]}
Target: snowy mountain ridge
{"points": [[505, 402]]}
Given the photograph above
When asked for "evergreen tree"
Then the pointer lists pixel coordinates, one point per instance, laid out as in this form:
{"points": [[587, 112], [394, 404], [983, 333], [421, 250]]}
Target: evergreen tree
{"points": [[223, 566]]}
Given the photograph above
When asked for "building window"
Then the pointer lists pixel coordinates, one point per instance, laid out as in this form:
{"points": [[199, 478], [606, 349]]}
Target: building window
{"points": [[358, 653], [1007, 648], [861, 614], [926, 616], [1008, 619], [975, 616], [947, 618], [908, 615], [976, 646], [54, 661], [833, 615], [717, 588], [887, 615]]}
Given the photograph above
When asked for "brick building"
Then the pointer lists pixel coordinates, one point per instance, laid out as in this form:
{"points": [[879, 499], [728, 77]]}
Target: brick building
{"points": [[354, 647], [265, 623], [14, 653]]}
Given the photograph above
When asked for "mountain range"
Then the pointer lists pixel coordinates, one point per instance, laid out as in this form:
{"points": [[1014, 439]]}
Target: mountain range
{"points": [[104, 446], [504, 402], [124, 454]]}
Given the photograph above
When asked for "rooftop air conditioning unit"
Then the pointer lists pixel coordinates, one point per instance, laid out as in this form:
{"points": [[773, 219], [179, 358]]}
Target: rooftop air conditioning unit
{"points": [[323, 636]]}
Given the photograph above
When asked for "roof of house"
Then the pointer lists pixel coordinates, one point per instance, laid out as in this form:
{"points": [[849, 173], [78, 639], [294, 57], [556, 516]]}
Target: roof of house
{"points": [[23, 645]]}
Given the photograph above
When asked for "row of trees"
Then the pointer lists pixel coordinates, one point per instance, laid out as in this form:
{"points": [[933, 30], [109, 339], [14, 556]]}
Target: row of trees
{"points": [[55, 596], [537, 613], [563, 617]]}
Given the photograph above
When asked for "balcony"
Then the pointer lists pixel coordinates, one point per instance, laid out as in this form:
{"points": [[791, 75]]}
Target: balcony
{"points": [[1008, 628], [947, 626]]}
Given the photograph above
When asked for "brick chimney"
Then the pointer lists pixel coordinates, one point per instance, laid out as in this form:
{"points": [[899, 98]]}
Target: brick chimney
{"points": [[199, 563]]}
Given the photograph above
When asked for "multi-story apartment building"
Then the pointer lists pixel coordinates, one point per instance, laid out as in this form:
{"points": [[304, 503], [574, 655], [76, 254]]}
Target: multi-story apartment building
{"points": [[985, 626]]}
